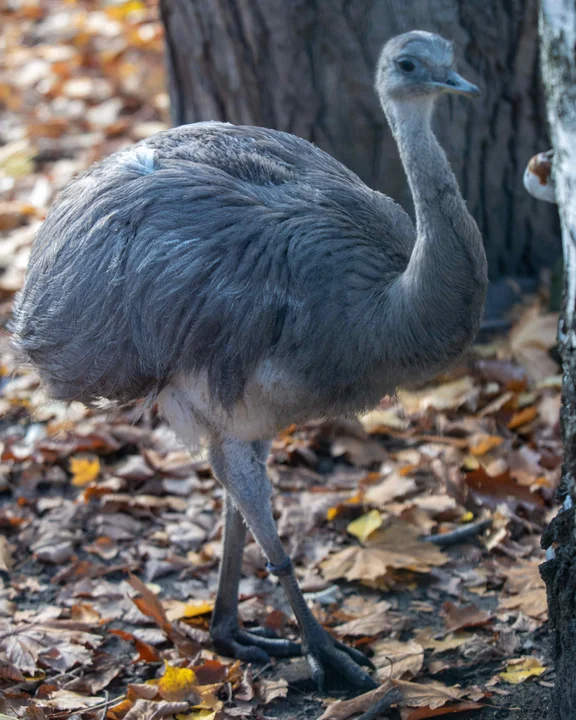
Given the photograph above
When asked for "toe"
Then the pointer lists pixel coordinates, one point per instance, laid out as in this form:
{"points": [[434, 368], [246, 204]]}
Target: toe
{"points": [[343, 664], [316, 671], [356, 655], [276, 647], [263, 631], [246, 653]]}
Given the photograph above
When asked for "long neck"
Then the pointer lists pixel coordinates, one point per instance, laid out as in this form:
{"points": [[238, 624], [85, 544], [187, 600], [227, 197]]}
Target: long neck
{"points": [[440, 296]]}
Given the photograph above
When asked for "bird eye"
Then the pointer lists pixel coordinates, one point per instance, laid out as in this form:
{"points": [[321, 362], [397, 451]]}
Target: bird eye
{"points": [[406, 65]]}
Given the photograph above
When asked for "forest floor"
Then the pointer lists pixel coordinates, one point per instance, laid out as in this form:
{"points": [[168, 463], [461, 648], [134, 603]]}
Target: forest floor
{"points": [[110, 534]]}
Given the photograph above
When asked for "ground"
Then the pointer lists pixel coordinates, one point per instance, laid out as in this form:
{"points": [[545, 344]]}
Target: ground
{"points": [[414, 529]]}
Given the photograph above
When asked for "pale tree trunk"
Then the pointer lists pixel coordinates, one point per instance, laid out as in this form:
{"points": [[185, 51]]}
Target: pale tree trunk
{"points": [[558, 35], [307, 67]]}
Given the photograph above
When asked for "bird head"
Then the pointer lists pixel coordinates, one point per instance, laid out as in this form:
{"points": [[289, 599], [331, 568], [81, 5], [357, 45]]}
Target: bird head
{"points": [[538, 178], [419, 64]]}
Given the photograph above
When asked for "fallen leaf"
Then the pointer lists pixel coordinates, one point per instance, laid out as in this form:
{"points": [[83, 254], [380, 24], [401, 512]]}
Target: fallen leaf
{"points": [[395, 547], [432, 694], [441, 397], [428, 712], [269, 690], [393, 487], [458, 618], [175, 610], [395, 659], [84, 470], [482, 444], [364, 526], [448, 642], [531, 340], [344, 709], [178, 684], [6, 561], [375, 622], [522, 418], [533, 603], [520, 670], [381, 420]]}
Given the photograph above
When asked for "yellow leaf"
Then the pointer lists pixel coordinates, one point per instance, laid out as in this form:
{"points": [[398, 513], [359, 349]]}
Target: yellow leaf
{"points": [[518, 671], [364, 526], [175, 610], [177, 684], [201, 714], [482, 443], [84, 470], [17, 159], [522, 417], [470, 463]]}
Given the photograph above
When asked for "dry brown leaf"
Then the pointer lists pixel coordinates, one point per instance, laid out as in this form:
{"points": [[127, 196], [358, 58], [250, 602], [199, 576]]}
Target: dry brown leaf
{"points": [[432, 694], [393, 487], [344, 709], [441, 397], [375, 622], [427, 639], [395, 659], [427, 712], [533, 603], [269, 690], [395, 547], [531, 340], [458, 618], [6, 561]]}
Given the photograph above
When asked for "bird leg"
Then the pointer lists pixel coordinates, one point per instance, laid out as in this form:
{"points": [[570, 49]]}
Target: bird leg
{"points": [[227, 636], [242, 472]]}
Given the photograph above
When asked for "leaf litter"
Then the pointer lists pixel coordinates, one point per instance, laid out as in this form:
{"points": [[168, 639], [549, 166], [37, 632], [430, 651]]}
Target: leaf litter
{"points": [[110, 533]]}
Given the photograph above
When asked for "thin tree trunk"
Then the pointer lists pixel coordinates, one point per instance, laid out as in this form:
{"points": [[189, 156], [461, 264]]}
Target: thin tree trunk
{"points": [[307, 67], [558, 34]]}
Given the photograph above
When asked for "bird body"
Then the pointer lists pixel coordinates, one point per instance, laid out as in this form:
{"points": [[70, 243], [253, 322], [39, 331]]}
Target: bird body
{"points": [[237, 254], [247, 280], [244, 264]]}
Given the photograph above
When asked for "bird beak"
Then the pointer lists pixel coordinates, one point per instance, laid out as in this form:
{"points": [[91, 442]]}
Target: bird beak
{"points": [[456, 84]]}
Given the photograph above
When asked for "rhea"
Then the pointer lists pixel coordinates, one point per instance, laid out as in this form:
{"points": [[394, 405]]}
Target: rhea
{"points": [[244, 280]]}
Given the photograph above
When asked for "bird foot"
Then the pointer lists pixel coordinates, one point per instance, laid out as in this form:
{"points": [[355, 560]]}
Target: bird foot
{"points": [[257, 645], [323, 652]]}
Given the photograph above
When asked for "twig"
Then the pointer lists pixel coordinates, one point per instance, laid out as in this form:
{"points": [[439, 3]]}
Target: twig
{"points": [[106, 705], [392, 697], [460, 534]]}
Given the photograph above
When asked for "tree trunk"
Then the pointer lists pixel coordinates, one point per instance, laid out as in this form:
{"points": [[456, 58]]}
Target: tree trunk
{"points": [[307, 66], [558, 33]]}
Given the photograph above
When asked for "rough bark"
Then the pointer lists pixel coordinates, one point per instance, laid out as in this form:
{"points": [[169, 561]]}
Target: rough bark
{"points": [[558, 33], [306, 66]]}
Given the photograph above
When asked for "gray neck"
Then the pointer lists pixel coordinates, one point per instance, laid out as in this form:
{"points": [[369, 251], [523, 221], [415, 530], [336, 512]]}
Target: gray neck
{"points": [[440, 295]]}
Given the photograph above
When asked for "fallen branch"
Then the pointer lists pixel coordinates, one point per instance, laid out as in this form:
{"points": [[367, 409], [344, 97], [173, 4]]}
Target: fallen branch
{"points": [[391, 698], [460, 534]]}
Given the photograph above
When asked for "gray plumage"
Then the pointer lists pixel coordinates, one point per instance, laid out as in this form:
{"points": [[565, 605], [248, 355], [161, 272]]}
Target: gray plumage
{"points": [[247, 280]]}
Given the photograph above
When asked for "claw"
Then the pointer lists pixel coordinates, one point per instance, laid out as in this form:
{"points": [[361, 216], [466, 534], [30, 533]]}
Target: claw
{"points": [[277, 647], [249, 646], [322, 651], [356, 655], [316, 672]]}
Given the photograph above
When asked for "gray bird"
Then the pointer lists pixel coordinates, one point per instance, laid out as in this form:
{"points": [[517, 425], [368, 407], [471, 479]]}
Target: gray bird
{"points": [[244, 280]]}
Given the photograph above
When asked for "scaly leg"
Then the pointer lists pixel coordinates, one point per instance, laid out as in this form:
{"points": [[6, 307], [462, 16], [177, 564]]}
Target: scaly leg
{"points": [[226, 634], [237, 466]]}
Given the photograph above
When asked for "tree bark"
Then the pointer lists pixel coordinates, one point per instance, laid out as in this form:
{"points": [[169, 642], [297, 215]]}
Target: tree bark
{"points": [[558, 34], [307, 66]]}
